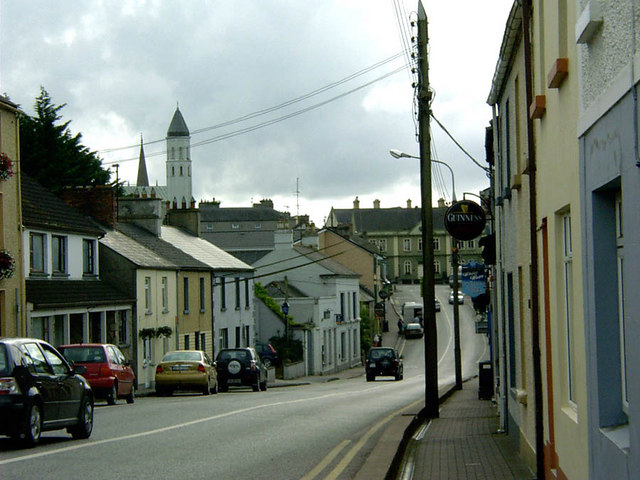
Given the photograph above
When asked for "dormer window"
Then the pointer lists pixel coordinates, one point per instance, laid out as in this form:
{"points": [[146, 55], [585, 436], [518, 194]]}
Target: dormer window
{"points": [[36, 253], [88, 257]]}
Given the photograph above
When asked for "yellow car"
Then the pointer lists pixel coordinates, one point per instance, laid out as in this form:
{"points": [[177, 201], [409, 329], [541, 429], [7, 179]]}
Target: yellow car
{"points": [[186, 370]]}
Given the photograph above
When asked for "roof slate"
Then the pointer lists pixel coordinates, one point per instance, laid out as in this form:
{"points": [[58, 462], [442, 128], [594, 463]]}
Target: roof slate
{"points": [[202, 250], [134, 251], [41, 209], [328, 263], [239, 214], [161, 247], [73, 293], [367, 220]]}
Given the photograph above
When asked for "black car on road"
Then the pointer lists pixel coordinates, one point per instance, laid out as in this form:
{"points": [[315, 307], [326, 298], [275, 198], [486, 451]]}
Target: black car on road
{"points": [[240, 367], [384, 362], [39, 391]]}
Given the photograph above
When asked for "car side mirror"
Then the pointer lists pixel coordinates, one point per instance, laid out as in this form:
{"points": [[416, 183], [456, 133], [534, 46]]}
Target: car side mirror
{"points": [[79, 370], [401, 357], [127, 363]]}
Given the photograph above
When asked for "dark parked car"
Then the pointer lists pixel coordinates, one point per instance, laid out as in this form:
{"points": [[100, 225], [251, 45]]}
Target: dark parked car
{"points": [[384, 362], [267, 353], [39, 391], [108, 372], [240, 367]]}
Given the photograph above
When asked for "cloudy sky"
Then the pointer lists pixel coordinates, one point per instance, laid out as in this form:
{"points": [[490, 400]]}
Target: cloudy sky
{"points": [[280, 96]]}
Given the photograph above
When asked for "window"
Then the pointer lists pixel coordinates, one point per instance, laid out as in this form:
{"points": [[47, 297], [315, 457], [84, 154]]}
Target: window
{"points": [[237, 282], [36, 253], [59, 254], [420, 244], [436, 244], [173, 171], [147, 294], [235, 226], [436, 266], [407, 267], [223, 294], [407, 244], [165, 287], [202, 295], [186, 294], [181, 169], [257, 226], [187, 345], [209, 227], [355, 305], [88, 257], [471, 244], [122, 327], [382, 244], [373, 242], [237, 337], [246, 293], [224, 338], [621, 322], [567, 261]]}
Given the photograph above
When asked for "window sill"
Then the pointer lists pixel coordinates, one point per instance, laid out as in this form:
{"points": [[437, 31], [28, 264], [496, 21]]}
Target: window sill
{"points": [[165, 310], [89, 275], [186, 312], [619, 436], [148, 312], [60, 275], [38, 274], [203, 310]]}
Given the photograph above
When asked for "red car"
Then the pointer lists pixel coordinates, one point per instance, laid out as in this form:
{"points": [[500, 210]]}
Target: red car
{"points": [[108, 372]]}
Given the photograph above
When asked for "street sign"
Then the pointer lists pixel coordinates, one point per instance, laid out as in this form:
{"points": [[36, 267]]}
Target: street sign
{"points": [[465, 220], [285, 308]]}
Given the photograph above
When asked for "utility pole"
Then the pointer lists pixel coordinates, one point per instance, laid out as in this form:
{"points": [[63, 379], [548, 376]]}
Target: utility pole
{"points": [[431, 400], [455, 262]]}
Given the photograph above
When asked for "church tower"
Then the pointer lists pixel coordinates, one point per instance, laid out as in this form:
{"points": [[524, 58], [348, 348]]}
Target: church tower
{"points": [[179, 163]]}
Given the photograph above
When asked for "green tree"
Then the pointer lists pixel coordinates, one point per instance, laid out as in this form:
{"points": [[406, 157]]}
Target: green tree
{"points": [[51, 155]]}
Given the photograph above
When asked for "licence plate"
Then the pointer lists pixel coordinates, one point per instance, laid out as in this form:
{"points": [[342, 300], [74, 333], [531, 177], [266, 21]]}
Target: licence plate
{"points": [[180, 367], [234, 380], [372, 364]]}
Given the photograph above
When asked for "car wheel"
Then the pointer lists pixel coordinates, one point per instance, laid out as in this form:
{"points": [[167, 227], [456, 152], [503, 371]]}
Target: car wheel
{"points": [[33, 426], [263, 386], [223, 387], [206, 390], [85, 420], [132, 395], [266, 362], [370, 378], [112, 398], [398, 377], [214, 390], [256, 386]]}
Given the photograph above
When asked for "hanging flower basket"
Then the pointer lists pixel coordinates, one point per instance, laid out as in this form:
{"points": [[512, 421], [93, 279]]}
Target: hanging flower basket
{"points": [[163, 332], [6, 167], [147, 333], [7, 265]]}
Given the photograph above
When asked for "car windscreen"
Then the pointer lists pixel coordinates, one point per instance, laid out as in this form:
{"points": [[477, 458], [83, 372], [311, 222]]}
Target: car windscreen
{"points": [[4, 361], [84, 354], [182, 357], [375, 354], [233, 355]]}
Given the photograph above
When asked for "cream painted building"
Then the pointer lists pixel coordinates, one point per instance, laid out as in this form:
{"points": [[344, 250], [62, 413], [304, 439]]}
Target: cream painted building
{"points": [[559, 211], [512, 334], [12, 288]]}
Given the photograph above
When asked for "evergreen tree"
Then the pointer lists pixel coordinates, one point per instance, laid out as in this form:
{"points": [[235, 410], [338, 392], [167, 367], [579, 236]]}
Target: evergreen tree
{"points": [[51, 155]]}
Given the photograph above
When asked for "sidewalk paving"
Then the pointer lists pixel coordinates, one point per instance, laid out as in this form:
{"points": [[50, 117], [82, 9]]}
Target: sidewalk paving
{"points": [[463, 444]]}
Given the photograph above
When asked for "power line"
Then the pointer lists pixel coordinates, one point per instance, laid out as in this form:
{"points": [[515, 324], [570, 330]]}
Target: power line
{"points": [[458, 145], [287, 103], [272, 121]]}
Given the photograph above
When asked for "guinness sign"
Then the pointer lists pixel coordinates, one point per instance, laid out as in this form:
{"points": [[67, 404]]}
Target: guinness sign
{"points": [[465, 220]]}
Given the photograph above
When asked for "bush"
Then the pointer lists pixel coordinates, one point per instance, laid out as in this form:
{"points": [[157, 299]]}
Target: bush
{"points": [[290, 351], [365, 329]]}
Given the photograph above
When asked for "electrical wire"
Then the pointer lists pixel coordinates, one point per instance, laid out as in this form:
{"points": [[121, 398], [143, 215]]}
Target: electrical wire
{"points": [[269, 122], [460, 146], [287, 103]]}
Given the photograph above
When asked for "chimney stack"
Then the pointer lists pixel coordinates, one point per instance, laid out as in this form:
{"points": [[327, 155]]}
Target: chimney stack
{"points": [[356, 204], [409, 203], [376, 203], [441, 203]]}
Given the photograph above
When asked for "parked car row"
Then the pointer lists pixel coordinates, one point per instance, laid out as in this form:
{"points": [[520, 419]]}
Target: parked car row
{"points": [[43, 388]]}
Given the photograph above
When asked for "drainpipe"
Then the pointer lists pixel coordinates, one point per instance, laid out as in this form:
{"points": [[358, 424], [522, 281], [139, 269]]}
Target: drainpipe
{"points": [[535, 321]]}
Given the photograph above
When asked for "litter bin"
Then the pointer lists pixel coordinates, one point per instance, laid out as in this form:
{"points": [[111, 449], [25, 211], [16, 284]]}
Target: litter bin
{"points": [[485, 380]]}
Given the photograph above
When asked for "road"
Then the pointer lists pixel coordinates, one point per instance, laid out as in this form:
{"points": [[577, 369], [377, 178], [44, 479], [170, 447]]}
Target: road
{"points": [[321, 430]]}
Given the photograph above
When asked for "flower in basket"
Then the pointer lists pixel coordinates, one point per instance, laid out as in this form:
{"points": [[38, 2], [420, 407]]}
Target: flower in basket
{"points": [[6, 167], [7, 264]]}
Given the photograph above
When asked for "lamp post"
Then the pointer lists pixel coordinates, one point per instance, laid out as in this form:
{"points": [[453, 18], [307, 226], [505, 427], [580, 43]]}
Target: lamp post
{"points": [[454, 265], [398, 154]]}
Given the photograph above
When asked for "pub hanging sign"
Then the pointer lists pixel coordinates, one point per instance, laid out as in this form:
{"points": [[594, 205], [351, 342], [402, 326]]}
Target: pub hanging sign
{"points": [[465, 220]]}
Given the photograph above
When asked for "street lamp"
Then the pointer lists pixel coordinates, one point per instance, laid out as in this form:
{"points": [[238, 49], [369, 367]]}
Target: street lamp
{"points": [[398, 154], [454, 265]]}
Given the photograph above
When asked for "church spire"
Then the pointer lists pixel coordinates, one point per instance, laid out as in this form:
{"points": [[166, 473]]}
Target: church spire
{"points": [[143, 179]]}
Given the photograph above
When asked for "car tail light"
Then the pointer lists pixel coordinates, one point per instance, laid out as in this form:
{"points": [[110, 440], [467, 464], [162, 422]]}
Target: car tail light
{"points": [[9, 386], [104, 371], [253, 365], [201, 368], [396, 363], [159, 369]]}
